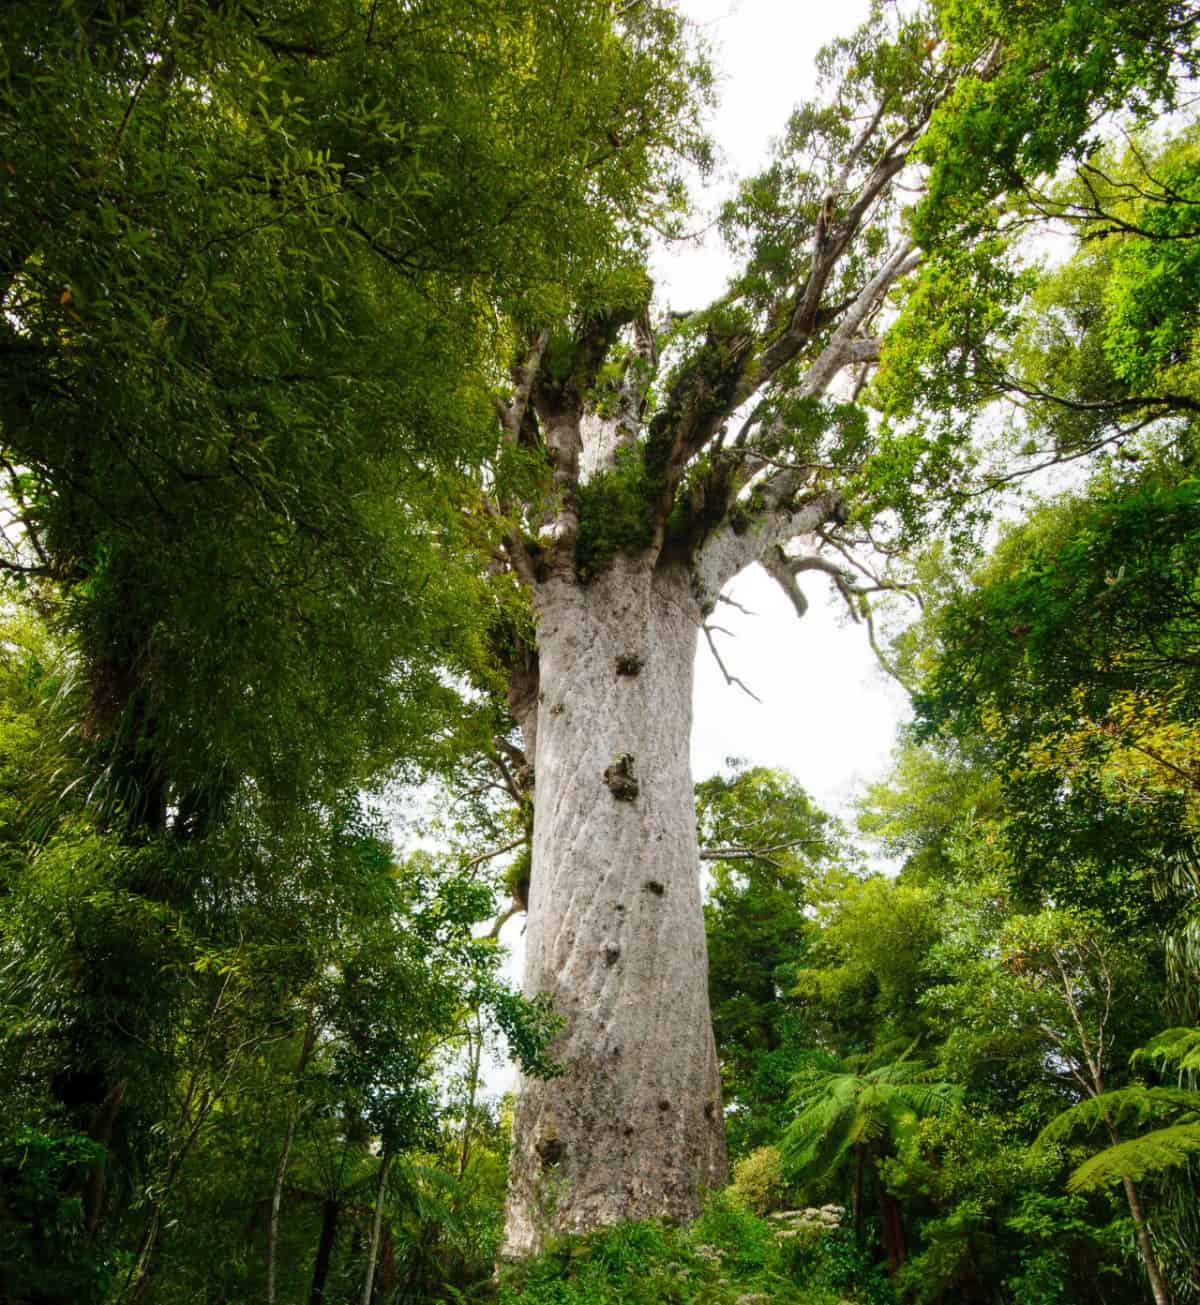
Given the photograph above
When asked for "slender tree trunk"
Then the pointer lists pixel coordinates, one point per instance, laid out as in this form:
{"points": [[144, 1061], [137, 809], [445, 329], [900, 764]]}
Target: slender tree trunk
{"points": [[1158, 1284], [376, 1225], [475, 1051], [330, 1213], [101, 1130], [856, 1194], [294, 1113], [387, 1273], [615, 935], [141, 1274], [276, 1202]]}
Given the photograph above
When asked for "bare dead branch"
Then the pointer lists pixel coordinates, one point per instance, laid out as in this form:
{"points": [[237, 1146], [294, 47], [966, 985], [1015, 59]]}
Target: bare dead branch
{"points": [[729, 679]]}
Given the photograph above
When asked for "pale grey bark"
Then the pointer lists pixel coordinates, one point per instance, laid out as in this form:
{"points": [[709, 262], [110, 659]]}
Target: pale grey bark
{"points": [[844, 348], [277, 1201], [602, 437], [616, 932], [731, 551], [376, 1228]]}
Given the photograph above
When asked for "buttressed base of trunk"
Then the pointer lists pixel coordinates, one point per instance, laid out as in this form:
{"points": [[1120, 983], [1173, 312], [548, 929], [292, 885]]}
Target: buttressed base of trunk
{"points": [[615, 932]]}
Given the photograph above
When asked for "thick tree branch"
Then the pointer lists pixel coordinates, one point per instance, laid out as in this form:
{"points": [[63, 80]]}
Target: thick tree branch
{"points": [[778, 567], [828, 250], [512, 414], [732, 367], [740, 542], [843, 349]]}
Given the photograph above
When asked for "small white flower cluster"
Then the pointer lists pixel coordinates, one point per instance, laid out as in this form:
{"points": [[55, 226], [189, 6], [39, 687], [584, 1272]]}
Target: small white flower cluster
{"points": [[815, 1220]]}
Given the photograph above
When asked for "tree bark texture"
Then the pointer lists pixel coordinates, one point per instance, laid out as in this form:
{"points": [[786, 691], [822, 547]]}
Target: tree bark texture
{"points": [[277, 1201], [1158, 1285], [615, 934]]}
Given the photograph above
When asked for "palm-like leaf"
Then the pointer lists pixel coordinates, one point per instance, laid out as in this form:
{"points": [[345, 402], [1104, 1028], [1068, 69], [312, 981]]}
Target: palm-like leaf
{"points": [[1134, 1105], [1152, 1153], [1179, 1048], [841, 1109]]}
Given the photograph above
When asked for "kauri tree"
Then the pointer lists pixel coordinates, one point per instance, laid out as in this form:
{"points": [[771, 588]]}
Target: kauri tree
{"points": [[645, 462]]}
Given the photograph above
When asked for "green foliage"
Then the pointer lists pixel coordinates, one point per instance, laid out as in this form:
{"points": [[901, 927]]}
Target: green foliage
{"points": [[614, 512], [1083, 57], [926, 808], [840, 1109], [1136, 1105], [1056, 1234], [44, 1247], [1151, 294], [758, 1181], [1163, 1149], [1171, 1145], [726, 1255], [871, 951], [266, 266], [1093, 353], [1177, 1049], [1067, 662], [758, 926], [170, 1007], [259, 255]]}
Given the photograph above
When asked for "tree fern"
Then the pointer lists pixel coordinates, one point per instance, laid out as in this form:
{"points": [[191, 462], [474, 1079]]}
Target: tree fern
{"points": [[1152, 1153], [1136, 1106], [841, 1109], [1177, 1048]]}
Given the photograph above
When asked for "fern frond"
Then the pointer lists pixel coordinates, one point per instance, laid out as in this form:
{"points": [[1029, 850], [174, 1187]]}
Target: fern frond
{"points": [[1178, 1048], [931, 1098], [1165, 1148], [818, 1138], [812, 1085], [1136, 1104], [900, 1072]]}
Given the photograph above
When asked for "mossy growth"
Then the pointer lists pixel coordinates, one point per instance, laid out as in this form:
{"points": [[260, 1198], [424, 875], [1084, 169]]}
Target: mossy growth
{"points": [[621, 780], [616, 507], [518, 875], [614, 513]]}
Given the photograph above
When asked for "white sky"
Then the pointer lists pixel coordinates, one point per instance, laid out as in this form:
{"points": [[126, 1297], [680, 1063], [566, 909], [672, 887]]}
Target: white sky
{"points": [[828, 714]]}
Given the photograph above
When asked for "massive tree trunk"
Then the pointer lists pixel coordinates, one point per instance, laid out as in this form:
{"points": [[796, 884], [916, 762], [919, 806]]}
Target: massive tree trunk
{"points": [[650, 499], [616, 933]]}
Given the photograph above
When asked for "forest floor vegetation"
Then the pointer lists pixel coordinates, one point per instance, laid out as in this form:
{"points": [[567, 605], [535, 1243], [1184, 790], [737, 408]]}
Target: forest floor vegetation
{"points": [[729, 1256]]}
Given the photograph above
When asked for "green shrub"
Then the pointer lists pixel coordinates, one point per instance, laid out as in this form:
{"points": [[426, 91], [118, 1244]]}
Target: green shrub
{"points": [[758, 1180], [44, 1250], [728, 1254]]}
